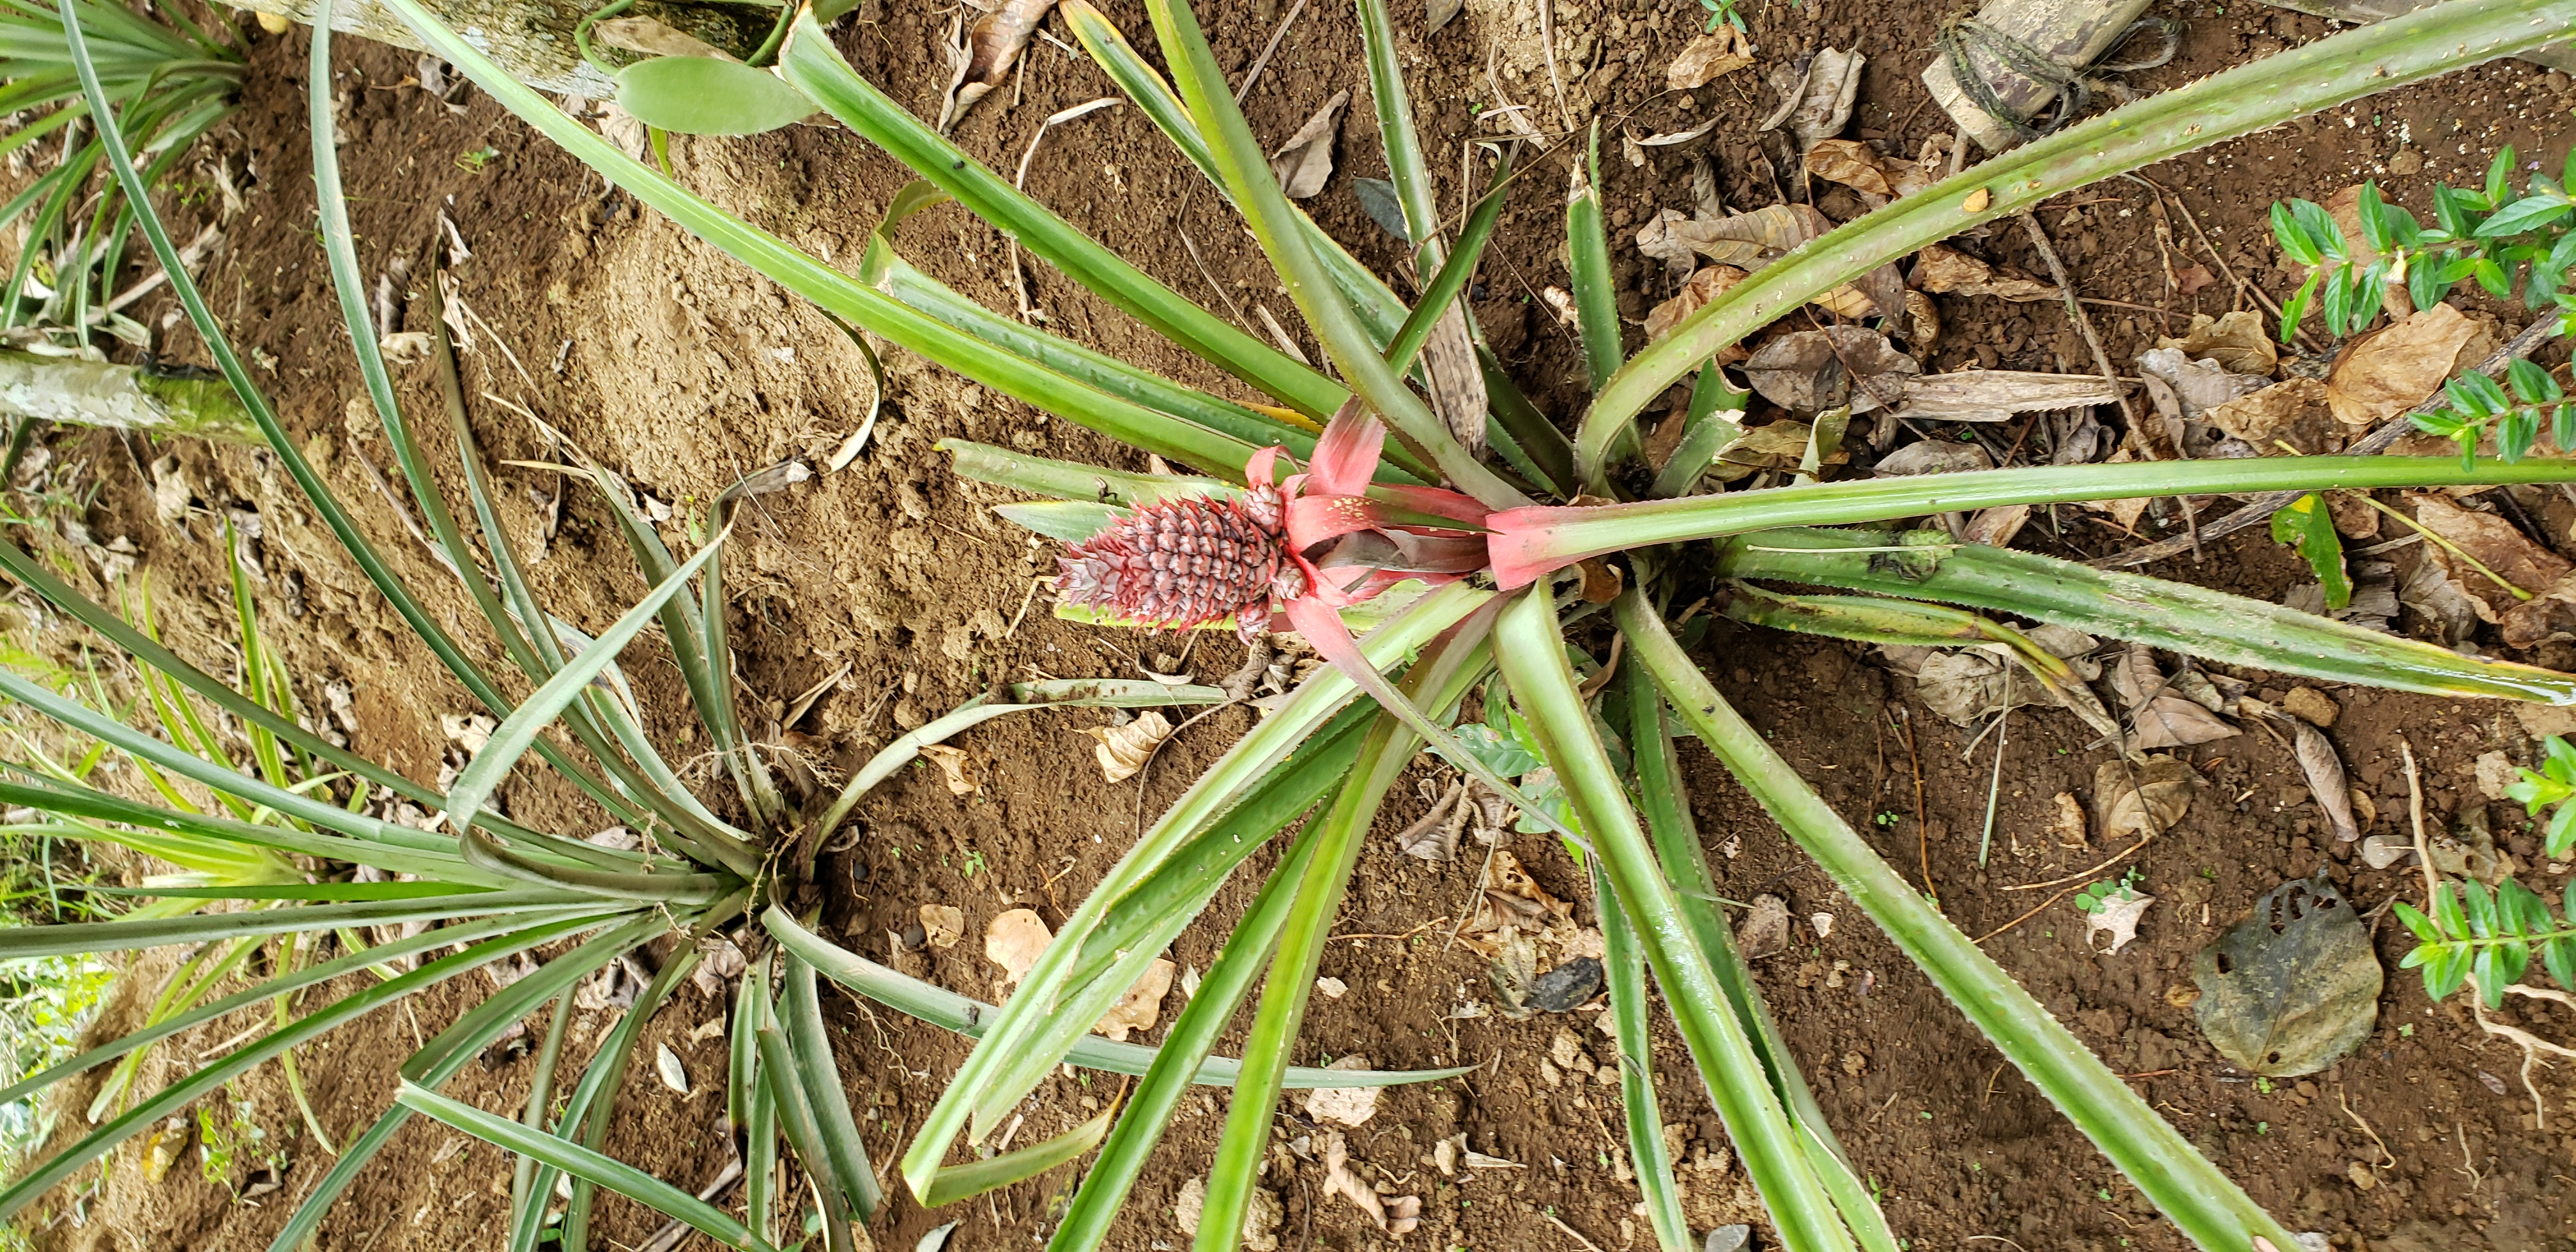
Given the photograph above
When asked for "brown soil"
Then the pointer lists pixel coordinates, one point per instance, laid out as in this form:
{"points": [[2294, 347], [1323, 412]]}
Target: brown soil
{"points": [[671, 364]]}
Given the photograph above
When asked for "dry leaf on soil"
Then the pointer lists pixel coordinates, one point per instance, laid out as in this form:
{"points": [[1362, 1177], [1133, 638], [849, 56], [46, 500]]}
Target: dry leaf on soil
{"points": [[2069, 826], [1946, 271], [2494, 543], [1765, 928], [1809, 371], [1457, 380], [666, 1063], [952, 768], [942, 925], [1934, 456], [1434, 836], [2126, 811], [1261, 1218], [1709, 57], [2237, 342], [1142, 1005], [2200, 385], [1853, 164], [1123, 750], [1306, 160], [1513, 898], [1014, 940], [2393, 369], [2118, 917], [719, 963], [2293, 988], [1708, 284], [2162, 712], [2436, 608], [1996, 527], [1816, 96], [1995, 395], [2294, 412], [992, 45], [1396, 1215], [1921, 325], [1777, 446], [1343, 1106]]}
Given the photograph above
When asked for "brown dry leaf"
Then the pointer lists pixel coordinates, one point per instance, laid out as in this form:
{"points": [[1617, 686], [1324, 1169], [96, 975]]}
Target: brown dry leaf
{"points": [[2326, 782], [1457, 381], [1396, 1215], [1996, 527], [2125, 512], [1662, 239], [1777, 446], [2125, 813], [2495, 543], [1708, 58], [1141, 1006], [1852, 163], [1813, 370], [1708, 284], [2294, 412], [1765, 928], [2392, 369], [1946, 271], [1434, 837], [1306, 160], [2118, 917], [652, 38], [2200, 385], [992, 45], [1818, 104], [2162, 714], [942, 924], [2237, 342], [1014, 941], [952, 767], [1671, 137], [2069, 826], [1513, 898], [1934, 456], [1921, 325], [1123, 750], [1746, 239], [1995, 395], [1344, 1106]]}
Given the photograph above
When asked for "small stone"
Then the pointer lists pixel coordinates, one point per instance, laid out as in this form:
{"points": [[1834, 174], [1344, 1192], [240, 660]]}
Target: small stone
{"points": [[1733, 1238], [2311, 706], [2406, 163], [2361, 1176], [1333, 988], [2182, 996]]}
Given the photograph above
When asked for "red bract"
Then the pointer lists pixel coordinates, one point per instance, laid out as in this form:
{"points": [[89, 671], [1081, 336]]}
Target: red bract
{"points": [[1325, 537]]}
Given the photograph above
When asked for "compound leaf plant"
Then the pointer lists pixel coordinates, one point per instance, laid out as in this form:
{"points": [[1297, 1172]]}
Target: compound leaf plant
{"points": [[1328, 502]]}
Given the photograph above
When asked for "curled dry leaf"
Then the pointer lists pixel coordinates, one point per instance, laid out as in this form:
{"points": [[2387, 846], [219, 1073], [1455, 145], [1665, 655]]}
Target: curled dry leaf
{"points": [[1765, 928], [1343, 1106], [952, 767], [2118, 917], [1514, 899], [719, 963], [1995, 395], [993, 44], [411, 347], [1306, 160], [2163, 713], [1777, 446], [1434, 836], [1946, 271], [1014, 940], [2137, 800], [2392, 369], [1997, 527], [2200, 385], [2493, 542], [1708, 284], [1921, 325], [1934, 456], [1816, 96], [1396, 1215], [1813, 370], [2237, 342], [1708, 58], [2293, 412], [943, 924], [1853, 164], [1123, 750], [2069, 826], [1142, 1005], [1752, 240]]}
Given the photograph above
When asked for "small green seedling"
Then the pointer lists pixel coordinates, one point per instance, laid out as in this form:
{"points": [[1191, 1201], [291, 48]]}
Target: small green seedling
{"points": [[2554, 784], [2099, 896]]}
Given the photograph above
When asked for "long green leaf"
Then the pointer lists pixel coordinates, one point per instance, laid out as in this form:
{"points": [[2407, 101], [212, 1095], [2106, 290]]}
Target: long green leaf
{"points": [[508, 743], [1532, 657], [1623, 966], [1386, 750], [577, 1160], [1529, 542], [811, 64], [2184, 1186], [779, 1072], [1265, 207], [812, 1044], [2432, 40], [1596, 294], [17, 942], [973, 1018], [959, 1182], [2230, 629]]}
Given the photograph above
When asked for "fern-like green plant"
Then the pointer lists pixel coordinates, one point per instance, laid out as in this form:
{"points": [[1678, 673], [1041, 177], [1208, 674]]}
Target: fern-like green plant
{"points": [[2474, 935]]}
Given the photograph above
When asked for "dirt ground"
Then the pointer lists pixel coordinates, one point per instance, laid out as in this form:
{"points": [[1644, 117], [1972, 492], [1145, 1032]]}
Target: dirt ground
{"points": [[667, 362]]}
